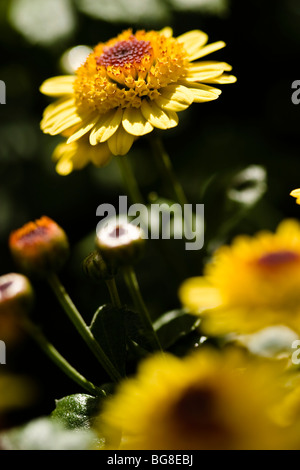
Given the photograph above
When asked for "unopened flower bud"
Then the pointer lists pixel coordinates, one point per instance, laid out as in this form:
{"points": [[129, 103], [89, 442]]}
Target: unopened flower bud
{"points": [[39, 247], [120, 243], [16, 299], [96, 268]]}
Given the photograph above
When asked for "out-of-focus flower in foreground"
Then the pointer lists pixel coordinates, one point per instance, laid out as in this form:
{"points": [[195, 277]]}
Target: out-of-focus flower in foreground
{"points": [[132, 84], [205, 401], [252, 284], [39, 247], [17, 392]]}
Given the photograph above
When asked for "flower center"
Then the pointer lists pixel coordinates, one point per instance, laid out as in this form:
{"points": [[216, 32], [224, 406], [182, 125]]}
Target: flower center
{"points": [[278, 258], [32, 235], [123, 52], [126, 70], [196, 412], [4, 288], [118, 232]]}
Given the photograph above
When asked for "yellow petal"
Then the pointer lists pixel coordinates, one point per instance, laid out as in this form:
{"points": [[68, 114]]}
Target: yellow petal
{"points": [[86, 125], [197, 295], [167, 32], [175, 98], [70, 157], [203, 93], [209, 64], [58, 86], [63, 150], [193, 41], [157, 117], [54, 110], [295, 192], [224, 79], [62, 124], [201, 76], [64, 166], [106, 126], [134, 122], [120, 142], [209, 49]]}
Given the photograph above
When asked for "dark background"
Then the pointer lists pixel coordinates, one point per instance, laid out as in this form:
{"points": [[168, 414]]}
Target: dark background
{"points": [[253, 123]]}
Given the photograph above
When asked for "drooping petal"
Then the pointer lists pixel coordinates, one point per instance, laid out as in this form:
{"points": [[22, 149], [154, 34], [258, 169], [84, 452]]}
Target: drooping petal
{"points": [[157, 117], [100, 154], [58, 86], [120, 142], [106, 126], [193, 41], [67, 158], [134, 122]]}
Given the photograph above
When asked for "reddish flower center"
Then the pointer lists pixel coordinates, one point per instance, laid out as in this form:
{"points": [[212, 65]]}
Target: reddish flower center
{"points": [[278, 258], [196, 411], [33, 235], [118, 232], [3, 289], [123, 52]]}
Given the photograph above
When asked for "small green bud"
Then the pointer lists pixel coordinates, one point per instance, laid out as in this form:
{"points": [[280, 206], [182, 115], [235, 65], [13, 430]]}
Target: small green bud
{"points": [[96, 268]]}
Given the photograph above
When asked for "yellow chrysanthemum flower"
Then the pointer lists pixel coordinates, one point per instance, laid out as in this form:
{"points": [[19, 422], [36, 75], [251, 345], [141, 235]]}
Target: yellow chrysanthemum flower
{"points": [[205, 401], [252, 284], [296, 194], [132, 84]]}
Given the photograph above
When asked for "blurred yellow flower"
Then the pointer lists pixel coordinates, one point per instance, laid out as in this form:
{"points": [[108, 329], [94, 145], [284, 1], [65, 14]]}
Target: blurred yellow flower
{"points": [[205, 401], [287, 411], [16, 392], [132, 84], [252, 284]]}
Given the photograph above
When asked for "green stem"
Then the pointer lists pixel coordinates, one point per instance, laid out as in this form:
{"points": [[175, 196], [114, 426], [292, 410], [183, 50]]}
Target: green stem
{"points": [[59, 360], [81, 327], [129, 180], [113, 292], [134, 289], [166, 167]]}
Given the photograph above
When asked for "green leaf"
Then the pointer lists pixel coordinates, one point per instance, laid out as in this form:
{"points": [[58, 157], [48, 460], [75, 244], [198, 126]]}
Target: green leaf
{"points": [[137, 332], [76, 411], [108, 328], [174, 325]]}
